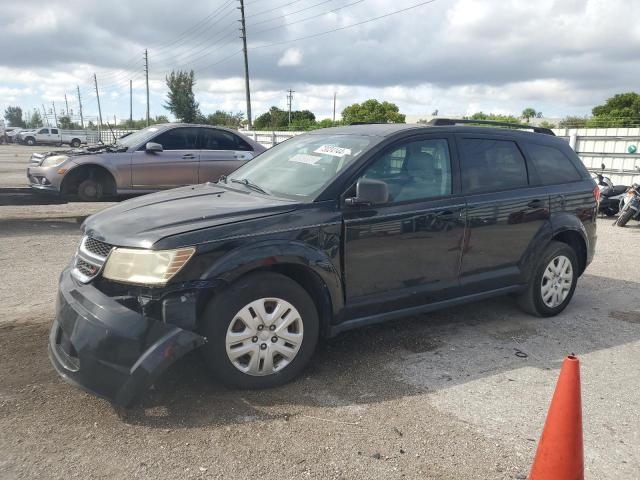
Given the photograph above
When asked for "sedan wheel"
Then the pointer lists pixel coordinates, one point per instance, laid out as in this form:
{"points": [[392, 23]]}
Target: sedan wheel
{"points": [[556, 281], [264, 337]]}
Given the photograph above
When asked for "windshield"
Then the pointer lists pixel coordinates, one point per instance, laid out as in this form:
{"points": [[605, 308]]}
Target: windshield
{"points": [[136, 138], [302, 166]]}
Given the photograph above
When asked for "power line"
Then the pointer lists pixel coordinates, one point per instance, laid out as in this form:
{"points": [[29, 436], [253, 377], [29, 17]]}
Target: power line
{"points": [[272, 9], [342, 28], [290, 13]]}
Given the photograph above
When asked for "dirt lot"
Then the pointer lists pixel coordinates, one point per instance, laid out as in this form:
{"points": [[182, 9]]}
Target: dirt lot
{"points": [[440, 396]]}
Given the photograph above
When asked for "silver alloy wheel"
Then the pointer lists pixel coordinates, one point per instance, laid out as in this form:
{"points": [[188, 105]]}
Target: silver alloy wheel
{"points": [[264, 336], [556, 281]]}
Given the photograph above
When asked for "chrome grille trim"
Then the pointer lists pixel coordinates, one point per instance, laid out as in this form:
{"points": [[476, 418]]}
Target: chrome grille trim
{"points": [[85, 258]]}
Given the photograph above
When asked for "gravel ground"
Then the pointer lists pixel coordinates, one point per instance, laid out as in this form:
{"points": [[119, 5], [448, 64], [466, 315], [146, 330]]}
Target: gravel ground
{"points": [[438, 396]]}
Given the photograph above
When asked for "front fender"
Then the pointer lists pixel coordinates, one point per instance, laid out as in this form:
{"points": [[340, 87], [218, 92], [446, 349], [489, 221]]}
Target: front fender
{"points": [[269, 253]]}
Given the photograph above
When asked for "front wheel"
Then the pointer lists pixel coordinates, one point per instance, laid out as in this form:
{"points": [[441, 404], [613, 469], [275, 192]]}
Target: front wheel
{"points": [[30, 141], [624, 217], [553, 283], [90, 190], [261, 331]]}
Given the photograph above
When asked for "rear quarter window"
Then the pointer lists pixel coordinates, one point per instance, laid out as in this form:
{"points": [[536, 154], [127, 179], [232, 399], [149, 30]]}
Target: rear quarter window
{"points": [[552, 165]]}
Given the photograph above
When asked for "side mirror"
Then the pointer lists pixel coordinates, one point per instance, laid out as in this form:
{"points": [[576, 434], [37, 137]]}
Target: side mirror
{"points": [[369, 192], [153, 147]]}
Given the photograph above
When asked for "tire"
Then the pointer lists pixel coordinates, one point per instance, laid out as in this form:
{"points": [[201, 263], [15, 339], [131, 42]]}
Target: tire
{"points": [[609, 212], [75, 143], [90, 190], [534, 299], [625, 217], [222, 318], [30, 141]]}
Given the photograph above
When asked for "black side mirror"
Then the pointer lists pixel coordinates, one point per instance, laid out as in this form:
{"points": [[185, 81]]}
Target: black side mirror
{"points": [[369, 192], [153, 147]]}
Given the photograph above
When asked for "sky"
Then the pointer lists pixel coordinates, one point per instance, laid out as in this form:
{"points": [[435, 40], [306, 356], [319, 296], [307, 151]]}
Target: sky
{"points": [[560, 57]]}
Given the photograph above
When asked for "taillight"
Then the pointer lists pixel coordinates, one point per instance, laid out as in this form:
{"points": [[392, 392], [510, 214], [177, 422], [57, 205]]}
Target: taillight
{"points": [[596, 193]]}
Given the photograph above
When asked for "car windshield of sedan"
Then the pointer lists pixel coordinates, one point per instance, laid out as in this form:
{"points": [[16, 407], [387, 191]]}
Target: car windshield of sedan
{"points": [[136, 138], [303, 166]]}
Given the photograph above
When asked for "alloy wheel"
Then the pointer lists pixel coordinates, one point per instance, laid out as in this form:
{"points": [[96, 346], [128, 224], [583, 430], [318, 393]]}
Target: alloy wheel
{"points": [[557, 280], [264, 336]]}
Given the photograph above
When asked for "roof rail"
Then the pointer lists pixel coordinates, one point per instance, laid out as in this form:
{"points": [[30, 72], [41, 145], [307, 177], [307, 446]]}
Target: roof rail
{"points": [[438, 122]]}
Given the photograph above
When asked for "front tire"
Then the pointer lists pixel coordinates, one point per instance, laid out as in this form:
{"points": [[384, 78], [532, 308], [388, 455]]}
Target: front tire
{"points": [[90, 190], [625, 217], [261, 331], [553, 283], [30, 141]]}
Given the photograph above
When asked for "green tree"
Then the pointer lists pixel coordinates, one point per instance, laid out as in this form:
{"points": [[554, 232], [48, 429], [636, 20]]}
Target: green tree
{"points": [[495, 117], [276, 119], [546, 124], [13, 116], [224, 119], [372, 111], [621, 110], [181, 101], [529, 113], [66, 123], [35, 120], [572, 122]]}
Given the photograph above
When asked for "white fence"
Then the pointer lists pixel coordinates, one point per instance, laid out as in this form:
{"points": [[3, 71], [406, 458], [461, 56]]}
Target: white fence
{"points": [[595, 146], [615, 148]]}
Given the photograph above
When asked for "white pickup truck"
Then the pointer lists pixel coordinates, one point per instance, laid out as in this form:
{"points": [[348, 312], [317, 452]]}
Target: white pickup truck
{"points": [[75, 138]]}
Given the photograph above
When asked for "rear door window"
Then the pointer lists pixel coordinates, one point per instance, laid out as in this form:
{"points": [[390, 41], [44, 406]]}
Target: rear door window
{"points": [[54, 131], [213, 139], [490, 165], [552, 166]]}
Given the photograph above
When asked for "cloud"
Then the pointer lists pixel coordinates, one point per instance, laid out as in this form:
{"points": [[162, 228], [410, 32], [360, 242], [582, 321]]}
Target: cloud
{"points": [[558, 56], [290, 58]]}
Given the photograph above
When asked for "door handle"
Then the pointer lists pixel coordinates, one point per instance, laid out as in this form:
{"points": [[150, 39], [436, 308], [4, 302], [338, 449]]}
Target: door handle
{"points": [[188, 155], [535, 204]]}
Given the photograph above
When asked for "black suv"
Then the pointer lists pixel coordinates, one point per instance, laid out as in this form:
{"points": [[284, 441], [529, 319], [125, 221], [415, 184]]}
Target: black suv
{"points": [[328, 231]]}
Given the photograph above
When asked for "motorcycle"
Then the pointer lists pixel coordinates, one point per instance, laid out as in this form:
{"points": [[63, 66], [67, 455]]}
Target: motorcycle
{"points": [[610, 195], [629, 206]]}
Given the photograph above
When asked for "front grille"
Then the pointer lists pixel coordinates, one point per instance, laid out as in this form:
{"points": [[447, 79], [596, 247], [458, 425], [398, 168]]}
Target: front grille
{"points": [[97, 247], [86, 268]]}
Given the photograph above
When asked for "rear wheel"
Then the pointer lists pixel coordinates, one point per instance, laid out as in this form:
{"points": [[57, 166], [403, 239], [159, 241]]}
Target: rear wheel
{"points": [[261, 331], [75, 143], [624, 218], [554, 282], [90, 190]]}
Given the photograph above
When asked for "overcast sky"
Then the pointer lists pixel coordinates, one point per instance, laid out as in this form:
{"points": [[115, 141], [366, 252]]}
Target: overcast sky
{"points": [[457, 56]]}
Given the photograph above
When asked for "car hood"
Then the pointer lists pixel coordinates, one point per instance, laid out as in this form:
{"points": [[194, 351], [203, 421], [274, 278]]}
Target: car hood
{"points": [[142, 221]]}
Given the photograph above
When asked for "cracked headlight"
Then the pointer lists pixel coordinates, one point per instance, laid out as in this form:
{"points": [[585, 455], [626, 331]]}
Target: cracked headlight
{"points": [[145, 267], [54, 160]]}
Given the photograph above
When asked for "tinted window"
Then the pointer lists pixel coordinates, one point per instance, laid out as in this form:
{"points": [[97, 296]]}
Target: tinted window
{"points": [[491, 165], [552, 166], [415, 170], [43, 130], [178, 139], [54, 131], [213, 139]]}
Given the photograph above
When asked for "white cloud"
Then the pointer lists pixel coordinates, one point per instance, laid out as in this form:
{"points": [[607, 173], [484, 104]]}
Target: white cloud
{"points": [[290, 58]]}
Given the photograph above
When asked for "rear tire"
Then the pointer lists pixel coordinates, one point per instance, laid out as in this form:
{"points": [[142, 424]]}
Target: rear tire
{"points": [[549, 291], [90, 190], [75, 143], [232, 324], [625, 217]]}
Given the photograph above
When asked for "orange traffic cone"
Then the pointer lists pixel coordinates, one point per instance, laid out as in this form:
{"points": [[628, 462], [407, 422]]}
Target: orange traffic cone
{"points": [[560, 455]]}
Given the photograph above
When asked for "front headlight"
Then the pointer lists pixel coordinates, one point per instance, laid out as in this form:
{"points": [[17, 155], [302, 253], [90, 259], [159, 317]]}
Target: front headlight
{"points": [[54, 160], [145, 267]]}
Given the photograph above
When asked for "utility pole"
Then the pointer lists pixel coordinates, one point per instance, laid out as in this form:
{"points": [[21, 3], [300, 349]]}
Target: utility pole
{"points": [[80, 104], [334, 107], [243, 30], [130, 103], [66, 104], [95, 81], [289, 102], [146, 74], [55, 115], [44, 112]]}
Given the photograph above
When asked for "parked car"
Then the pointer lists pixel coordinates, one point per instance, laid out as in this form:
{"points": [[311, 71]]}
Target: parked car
{"points": [[330, 230], [47, 135], [11, 134], [155, 158]]}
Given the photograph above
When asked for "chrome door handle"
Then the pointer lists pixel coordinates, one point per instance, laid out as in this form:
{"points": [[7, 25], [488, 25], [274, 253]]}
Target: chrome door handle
{"points": [[188, 155]]}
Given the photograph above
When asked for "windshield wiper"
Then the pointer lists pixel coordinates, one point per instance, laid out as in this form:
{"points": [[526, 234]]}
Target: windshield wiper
{"points": [[250, 184]]}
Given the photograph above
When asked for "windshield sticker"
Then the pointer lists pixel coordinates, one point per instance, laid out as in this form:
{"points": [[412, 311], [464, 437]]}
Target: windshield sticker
{"points": [[305, 158], [333, 151]]}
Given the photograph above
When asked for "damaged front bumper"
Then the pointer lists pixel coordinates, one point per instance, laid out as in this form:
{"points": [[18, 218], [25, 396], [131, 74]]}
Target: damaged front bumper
{"points": [[107, 349]]}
